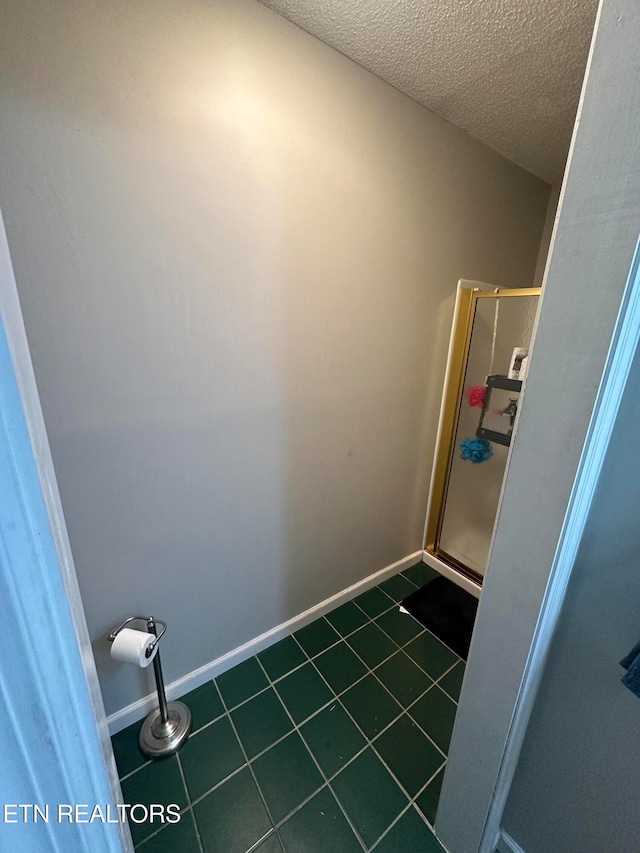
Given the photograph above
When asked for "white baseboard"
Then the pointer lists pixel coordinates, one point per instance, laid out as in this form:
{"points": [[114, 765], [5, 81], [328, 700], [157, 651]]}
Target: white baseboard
{"points": [[137, 710], [506, 844], [466, 583]]}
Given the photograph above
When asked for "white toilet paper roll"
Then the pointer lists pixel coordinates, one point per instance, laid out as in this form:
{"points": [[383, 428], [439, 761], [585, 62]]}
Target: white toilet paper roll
{"points": [[131, 646]]}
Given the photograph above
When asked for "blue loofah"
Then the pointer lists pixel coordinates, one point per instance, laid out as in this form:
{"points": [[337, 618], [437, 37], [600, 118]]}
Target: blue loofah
{"points": [[475, 450]]}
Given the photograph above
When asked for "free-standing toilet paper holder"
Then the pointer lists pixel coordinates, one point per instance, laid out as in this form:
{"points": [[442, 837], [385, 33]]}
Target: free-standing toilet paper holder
{"points": [[165, 729]]}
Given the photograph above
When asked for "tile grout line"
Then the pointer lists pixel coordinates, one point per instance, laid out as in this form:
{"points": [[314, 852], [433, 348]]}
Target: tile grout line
{"points": [[183, 811], [155, 832], [380, 663], [272, 832], [420, 587], [420, 667], [310, 659], [404, 710], [412, 804], [440, 677], [408, 643], [320, 770], [246, 765], [267, 748], [253, 775], [442, 688], [341, 638], [415, 702], [395, 821], [404, 645], [327, 779], [219, 784], [190, 804], [273, 684], [371, 744], [402, 649], [399, 604], [326, 782], [427, 783], [215, 719], [297, 727], [336, 696], [131, 772]]}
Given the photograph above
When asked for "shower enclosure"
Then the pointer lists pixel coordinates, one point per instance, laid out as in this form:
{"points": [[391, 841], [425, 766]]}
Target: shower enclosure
{"points": [[488, 359]]}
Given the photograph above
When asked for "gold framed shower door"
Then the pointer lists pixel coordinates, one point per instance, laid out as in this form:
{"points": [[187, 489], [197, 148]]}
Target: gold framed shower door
{"points": [[464, 313]]}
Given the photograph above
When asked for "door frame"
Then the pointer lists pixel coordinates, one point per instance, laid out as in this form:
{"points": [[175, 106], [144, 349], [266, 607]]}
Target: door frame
{"points": [[586, 334], [622, 353], [62, 753]]}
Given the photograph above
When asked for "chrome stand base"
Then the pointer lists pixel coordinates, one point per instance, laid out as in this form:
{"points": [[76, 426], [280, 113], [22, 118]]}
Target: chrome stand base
{"points": [[158, 739]]}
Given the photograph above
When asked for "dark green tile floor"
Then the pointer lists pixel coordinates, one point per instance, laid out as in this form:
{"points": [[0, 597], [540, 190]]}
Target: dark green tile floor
{"points": [[333, 739]]}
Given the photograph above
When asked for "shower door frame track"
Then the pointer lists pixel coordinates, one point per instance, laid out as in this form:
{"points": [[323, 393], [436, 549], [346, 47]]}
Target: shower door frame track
{"points": [[464, 314]]}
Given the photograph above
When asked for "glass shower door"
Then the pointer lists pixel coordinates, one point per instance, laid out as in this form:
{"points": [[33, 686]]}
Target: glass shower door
{"points": [[498, 333]]}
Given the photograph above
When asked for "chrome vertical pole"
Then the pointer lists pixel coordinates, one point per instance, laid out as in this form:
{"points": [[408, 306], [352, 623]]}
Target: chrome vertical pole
{"points": [[157, 668]]}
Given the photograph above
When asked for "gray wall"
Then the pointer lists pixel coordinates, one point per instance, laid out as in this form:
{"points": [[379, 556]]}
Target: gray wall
{"points": [[576, 786], [591, 254], [547, 231], [236, 253]]}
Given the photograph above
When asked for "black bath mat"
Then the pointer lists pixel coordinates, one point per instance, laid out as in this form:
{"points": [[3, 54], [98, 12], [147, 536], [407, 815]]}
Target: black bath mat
{"points": [[447, 611]]}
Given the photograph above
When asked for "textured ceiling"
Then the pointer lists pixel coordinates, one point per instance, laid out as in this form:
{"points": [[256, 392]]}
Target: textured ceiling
{"points": [[507, 71]]}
